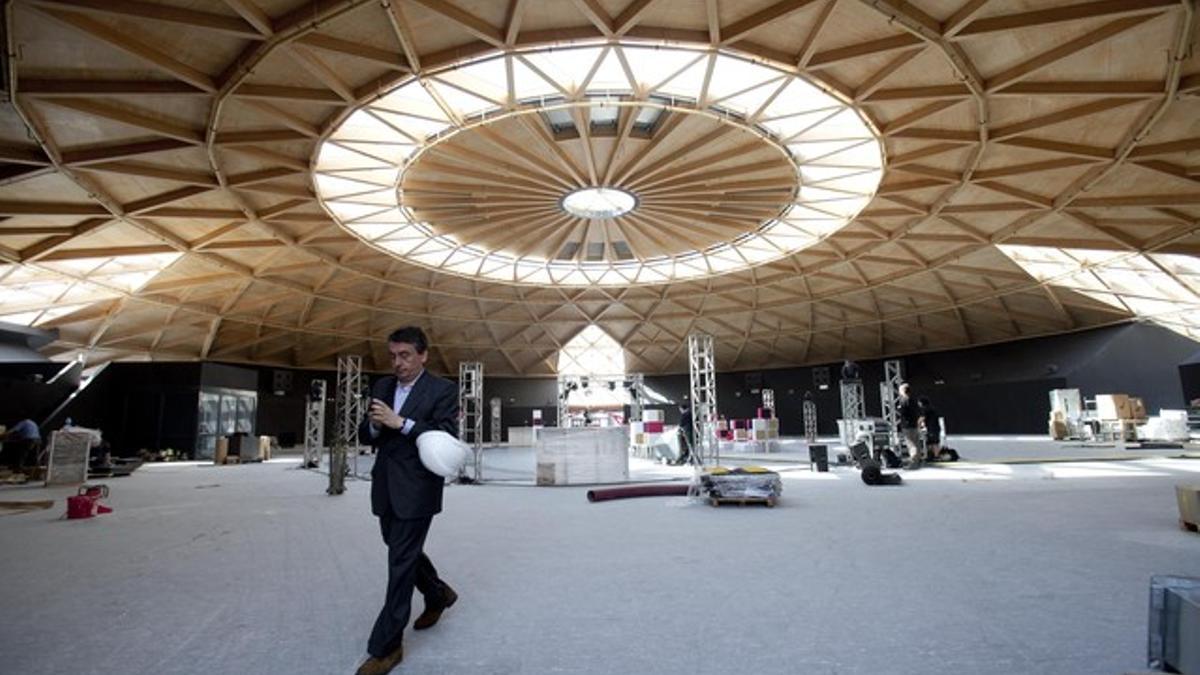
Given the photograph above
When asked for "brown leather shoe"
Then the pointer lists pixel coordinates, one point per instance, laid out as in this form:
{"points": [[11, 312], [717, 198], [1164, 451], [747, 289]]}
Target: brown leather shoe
{"points": [[432, 613], [381, 666]]}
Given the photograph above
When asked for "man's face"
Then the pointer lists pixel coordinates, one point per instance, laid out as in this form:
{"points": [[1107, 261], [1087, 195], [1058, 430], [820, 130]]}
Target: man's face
{"points": [[406, 361]]}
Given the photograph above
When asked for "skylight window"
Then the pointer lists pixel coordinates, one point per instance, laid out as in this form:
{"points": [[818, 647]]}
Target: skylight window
{"points": [[1162, 288], [833, 149]]}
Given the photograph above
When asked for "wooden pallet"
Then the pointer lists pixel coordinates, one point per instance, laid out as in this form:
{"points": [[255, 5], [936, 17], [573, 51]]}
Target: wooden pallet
{"points": [[769, 502]]}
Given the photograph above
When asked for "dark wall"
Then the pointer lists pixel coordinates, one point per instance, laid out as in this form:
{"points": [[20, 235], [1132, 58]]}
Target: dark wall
{"points": [[283, 400], [28, 392], [1144, 362], [1189, 377], [991, 389]]}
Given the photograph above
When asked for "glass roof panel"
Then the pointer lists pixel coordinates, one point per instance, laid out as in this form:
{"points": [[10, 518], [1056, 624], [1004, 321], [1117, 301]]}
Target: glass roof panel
{"points": [[487, 78], [463, 104], [566, 67], [391, 154], [798, 97], [652, 66], [1130, 281], [22, 318], [610, 76], [372, 231], [688, 82], [731, 75], [529, 84], [334, 157], [417, 128], [843, 125], [361, 125], [411, 99], [748, 102]]}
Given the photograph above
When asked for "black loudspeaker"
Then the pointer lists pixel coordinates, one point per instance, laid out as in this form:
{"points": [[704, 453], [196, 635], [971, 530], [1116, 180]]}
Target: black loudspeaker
{"points": [[281, 381], [818, 455], [821, 377], [754, 382]]}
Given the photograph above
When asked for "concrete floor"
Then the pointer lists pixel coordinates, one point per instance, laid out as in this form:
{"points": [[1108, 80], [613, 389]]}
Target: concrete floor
{"points": [[974, 568]]}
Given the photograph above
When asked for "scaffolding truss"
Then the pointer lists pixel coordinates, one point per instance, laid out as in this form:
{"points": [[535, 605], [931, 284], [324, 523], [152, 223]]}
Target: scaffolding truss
{"points": [[496, 407], [636, 384], [809, 412], [768, 401], [702, 368], [350, 407], [314, 424], [470, 411], [854, 404], [631, 382], [889, 392]]}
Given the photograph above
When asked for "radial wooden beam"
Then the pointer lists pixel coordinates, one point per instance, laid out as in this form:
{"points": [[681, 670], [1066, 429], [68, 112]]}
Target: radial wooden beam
{"points": [[253, 15], [134, 117], [386, 58], [1062, 51], [145, 10], [962, 17], [473, 24], [742, 27], [1044, 17], [123, 41], [829, 57]]}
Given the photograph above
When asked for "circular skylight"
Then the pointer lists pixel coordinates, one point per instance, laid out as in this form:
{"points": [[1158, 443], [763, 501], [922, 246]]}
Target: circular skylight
{"points": [[430, 173], [597, 203]]}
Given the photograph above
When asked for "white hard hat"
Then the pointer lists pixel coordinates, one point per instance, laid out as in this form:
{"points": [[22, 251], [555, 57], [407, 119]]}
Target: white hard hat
{"points": [[442, 453]]}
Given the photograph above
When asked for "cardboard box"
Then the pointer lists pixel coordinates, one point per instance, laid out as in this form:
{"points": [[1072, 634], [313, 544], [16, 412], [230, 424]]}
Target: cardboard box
{"points": [[1188, 497], [740, 435], [1113, 407], [1137, 409]]}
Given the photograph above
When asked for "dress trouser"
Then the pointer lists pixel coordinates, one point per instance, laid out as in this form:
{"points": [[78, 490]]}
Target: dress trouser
{"points": [[408, 566], [912, 439]]}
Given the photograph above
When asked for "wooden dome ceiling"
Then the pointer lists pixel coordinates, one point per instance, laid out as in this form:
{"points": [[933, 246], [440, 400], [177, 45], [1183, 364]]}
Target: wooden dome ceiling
{"points": [[1041, 175]]}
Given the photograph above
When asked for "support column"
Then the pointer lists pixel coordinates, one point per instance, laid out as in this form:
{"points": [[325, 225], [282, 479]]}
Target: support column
{"points": [[889, 391], [314, 424], [809, 411], [495, 405], [703, 370], [470, 411], [349, 406]]}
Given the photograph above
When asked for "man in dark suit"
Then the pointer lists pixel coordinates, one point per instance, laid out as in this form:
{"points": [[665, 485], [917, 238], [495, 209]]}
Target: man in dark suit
{"points": [[404, 494], [686, 434]]}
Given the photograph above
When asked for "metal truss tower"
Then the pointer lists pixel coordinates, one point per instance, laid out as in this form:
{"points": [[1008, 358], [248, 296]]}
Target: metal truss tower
{"points": [[470, 411], [637, 396], [854, 404], [809, 411], [314, 424], [496, 406], [703, 370], [350, 406], [889, 391], [768, 401]]}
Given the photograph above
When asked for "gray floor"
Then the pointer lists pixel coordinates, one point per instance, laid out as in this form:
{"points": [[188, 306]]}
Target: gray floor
{"points": [[976, 568]]}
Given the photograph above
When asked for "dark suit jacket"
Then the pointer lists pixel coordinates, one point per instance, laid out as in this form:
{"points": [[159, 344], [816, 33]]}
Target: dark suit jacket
{"points": [[400, 485]]}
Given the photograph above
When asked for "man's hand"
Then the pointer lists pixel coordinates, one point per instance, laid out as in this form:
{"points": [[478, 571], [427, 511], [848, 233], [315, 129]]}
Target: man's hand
{"points": [[382, 414]]}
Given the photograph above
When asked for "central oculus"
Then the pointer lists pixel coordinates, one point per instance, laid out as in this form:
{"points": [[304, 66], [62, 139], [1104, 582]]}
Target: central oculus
{"points": [[548, 165], [599, 202]]}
